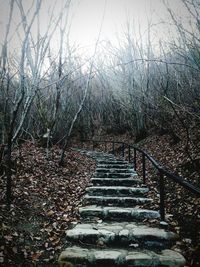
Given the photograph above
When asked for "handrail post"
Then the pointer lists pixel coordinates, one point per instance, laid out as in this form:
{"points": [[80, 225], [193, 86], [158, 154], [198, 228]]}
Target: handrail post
{"points": [[113, 148], [162, 196], [129, 154], [134, 159], [123, 150], [143, 168], [105, 146]]}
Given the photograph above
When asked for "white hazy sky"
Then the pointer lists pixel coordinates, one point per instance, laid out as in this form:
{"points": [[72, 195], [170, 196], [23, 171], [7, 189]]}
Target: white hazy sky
{"points": [[86, 17]]}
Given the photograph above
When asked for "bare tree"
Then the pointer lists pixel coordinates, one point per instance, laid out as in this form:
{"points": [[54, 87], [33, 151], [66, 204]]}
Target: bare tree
{"points": [[27, 77], [67, 136]]}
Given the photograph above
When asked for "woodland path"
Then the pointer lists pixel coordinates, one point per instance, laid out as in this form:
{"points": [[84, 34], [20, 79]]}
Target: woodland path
{"points": [[117, 228]]}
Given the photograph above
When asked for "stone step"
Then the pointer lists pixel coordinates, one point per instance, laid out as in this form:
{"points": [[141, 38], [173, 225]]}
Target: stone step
{"points": [[114, 170], [117, 213], [100, 156], [115, 181], [116, 201], [115, 175], [113, 162], [116, 191], [104, 158], [120, 234], [77, 256], [117, 240], [116, 166]]}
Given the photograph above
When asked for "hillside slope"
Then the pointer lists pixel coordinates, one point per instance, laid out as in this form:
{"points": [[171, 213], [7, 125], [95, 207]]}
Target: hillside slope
{"points": [[183, 206]]}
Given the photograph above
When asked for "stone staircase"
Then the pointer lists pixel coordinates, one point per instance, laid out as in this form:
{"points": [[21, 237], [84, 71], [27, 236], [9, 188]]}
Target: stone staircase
{"points": [[115, 228]]}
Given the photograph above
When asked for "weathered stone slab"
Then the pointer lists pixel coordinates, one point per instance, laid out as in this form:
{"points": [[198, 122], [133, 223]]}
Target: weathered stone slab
{"points": [[76, 257], [115, 175], [115, 201], [171, 258], [116, 191], [140, 259], [118, 213], [106, 258], [115, 170], [116, 234], [115, 166], [111, 162], [115, 181]]}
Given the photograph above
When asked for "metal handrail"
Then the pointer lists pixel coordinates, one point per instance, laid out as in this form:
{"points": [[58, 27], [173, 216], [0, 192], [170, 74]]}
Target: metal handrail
{"points": [[163, 172]]}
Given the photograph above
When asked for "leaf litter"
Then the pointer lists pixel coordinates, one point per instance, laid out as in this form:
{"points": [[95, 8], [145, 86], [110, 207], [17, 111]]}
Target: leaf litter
{"points": [[46, 200]]}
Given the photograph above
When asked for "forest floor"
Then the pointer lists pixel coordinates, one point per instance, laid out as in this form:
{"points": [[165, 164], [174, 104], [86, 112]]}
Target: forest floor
{"points": [[182, 205], [46, 200]]}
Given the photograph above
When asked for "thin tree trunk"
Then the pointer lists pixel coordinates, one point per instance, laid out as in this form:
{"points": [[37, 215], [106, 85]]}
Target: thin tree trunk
{"points": [[9, 171], [85, 93]]}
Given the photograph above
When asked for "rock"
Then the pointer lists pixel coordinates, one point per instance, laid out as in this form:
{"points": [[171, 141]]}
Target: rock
{"points": [[164, 224], [171, 258], [139, 259]]}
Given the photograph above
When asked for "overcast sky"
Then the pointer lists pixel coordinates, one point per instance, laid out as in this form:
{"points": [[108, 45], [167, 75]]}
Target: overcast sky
{"points": [[86, 17], [89, 14]]}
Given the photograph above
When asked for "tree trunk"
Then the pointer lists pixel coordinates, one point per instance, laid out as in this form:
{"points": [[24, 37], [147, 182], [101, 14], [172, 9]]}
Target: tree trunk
{"points": [[9, 171]]}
